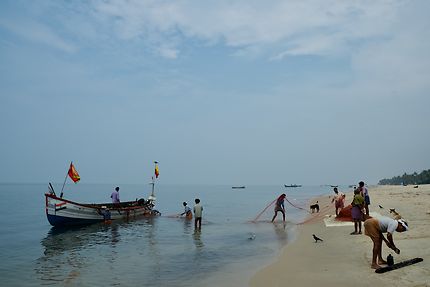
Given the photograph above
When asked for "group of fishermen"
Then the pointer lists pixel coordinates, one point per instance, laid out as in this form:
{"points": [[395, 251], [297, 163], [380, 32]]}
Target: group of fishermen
{"points": [[188, 213]]}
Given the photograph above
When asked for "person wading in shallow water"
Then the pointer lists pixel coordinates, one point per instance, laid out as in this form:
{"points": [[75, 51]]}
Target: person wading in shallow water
{"points": [[187, 211], [198, 209], [279, 206]]}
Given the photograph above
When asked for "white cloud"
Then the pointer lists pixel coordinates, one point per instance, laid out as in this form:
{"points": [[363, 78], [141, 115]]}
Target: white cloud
{"points": [[399, 65], [38, 33], [168, 53], [275, 29], [294, 27], [314, 45]]}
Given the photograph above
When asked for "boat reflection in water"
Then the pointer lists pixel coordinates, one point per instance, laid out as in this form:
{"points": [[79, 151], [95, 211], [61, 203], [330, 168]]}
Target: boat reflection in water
{"points": [[84, 255]]}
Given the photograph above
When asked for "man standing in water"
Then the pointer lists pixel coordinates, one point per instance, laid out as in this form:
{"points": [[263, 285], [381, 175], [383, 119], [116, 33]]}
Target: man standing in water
{"points": [[198, 209], [279, 206], [187, 211]]}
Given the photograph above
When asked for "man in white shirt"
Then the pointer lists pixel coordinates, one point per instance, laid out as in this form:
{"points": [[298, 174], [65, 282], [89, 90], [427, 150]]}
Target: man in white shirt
{"points": [[374, 228], [187, 211], [115, 196], [198, 209]]}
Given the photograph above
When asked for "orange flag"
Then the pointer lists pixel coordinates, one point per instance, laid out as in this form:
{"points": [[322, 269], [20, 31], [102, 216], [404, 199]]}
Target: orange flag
{"points": [[157, 172], [73, 173]]}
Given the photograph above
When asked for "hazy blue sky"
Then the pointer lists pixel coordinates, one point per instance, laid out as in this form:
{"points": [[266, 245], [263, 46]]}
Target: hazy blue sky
{"points": [[219, 92]]}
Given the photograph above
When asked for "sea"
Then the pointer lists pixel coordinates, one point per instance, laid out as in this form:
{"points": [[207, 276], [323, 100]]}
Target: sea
{"points": [[161, 251]]}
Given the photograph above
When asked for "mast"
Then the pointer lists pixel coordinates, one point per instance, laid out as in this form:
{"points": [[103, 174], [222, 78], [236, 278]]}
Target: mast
{"points": [[64, 183], [153, 185], [152, 196]]}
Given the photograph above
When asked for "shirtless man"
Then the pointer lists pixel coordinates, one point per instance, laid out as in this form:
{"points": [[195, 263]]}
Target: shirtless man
{"points": [[374, 228], [279, 206]]}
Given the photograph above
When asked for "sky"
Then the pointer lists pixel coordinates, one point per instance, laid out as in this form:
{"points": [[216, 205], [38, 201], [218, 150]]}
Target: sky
{"points": [[218, 92]]}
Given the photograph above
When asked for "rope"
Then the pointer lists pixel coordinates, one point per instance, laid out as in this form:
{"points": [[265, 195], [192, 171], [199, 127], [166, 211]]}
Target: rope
{"points": [[173, 215], [270, 204], [258, 216], [296, 205], [316, 216]]}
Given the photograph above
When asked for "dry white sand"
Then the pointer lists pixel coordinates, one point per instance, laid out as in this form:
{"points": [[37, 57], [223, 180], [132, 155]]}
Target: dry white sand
{"points": [[344, 259]]}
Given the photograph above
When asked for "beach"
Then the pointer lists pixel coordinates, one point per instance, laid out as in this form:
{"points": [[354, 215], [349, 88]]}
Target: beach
{"points": [[345, 259]]}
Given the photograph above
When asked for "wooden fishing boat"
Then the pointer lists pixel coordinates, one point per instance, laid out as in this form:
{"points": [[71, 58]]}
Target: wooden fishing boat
{"points": [[235, 187], [62, 212]]}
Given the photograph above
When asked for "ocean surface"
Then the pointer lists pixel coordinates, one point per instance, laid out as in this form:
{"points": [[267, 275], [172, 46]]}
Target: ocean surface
{"points": [[161, 251]]}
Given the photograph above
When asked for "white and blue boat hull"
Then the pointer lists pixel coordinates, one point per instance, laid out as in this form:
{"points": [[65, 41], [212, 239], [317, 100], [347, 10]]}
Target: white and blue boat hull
{"points": [[62, 212]]}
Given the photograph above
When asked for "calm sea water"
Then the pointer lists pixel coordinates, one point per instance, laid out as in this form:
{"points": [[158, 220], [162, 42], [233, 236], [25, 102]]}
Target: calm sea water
{"points": [[162, 251]]}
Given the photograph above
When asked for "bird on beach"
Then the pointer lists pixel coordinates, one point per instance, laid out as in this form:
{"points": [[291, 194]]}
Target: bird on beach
{"points": [[317, 238], [380, 206]]}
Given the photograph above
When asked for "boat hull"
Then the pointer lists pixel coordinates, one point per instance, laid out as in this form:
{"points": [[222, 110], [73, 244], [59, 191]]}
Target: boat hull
{"points": [[293, 185], [62, 212]]}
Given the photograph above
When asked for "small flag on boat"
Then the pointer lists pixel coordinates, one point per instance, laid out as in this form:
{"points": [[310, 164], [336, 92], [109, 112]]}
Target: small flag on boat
{"points": [[73, 173], [157, 172]]}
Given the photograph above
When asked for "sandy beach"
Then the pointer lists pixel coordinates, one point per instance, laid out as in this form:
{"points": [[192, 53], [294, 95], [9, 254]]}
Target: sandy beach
{"points": [[345, 259]]}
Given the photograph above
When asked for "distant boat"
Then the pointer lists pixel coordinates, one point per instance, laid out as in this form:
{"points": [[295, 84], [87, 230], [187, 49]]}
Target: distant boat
{"points": [[293, 185], [334, 185], [238, 187]]}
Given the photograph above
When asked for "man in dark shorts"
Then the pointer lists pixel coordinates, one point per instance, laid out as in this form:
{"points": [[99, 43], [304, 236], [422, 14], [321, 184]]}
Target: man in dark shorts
{"points": [[198, 209], [279, 206], [366, 196]]}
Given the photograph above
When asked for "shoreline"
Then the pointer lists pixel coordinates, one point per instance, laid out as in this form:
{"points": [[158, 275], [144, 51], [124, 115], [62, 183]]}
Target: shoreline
{"points": [[343, 258]]}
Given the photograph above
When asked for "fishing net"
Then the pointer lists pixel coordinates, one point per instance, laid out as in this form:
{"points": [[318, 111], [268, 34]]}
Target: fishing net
{"points": [[264, 210], [346, 215]]}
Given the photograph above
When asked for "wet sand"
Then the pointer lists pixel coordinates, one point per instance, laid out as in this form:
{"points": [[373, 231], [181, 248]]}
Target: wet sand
{"points": [[345, 259]]}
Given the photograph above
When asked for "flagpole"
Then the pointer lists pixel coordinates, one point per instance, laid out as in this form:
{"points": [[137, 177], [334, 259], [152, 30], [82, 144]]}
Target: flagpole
{"points": [[64, 183], [152, 183], [152, 196]]}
